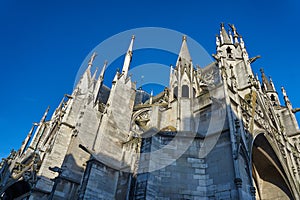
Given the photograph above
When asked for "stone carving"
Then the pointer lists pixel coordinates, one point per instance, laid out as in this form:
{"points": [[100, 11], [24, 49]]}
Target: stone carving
{"points": [[282, 149], [140, 121], [209, 78]]}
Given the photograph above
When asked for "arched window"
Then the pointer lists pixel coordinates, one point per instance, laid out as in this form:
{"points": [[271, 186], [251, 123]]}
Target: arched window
{"points": [[185, 91], [175, 92]]}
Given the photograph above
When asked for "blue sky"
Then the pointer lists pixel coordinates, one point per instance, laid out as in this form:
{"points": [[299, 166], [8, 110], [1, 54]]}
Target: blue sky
{"points": [[43, 43]]}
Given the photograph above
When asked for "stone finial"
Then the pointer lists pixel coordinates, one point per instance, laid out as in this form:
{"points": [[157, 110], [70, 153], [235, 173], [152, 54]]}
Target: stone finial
{"points": [[224, 35]]}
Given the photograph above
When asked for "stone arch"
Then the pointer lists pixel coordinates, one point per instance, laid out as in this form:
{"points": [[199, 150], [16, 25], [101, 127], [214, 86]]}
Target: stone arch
{"points": [[175, 92], [18, 189], [173, 88], [269, 177]]}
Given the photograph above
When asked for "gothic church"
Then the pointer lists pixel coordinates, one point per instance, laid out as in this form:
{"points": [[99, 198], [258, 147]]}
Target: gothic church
{"points": [[216, 132]]}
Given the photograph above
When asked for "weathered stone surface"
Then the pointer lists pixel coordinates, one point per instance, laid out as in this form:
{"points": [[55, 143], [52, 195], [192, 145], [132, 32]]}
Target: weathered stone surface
{"points": [[214, 133]]}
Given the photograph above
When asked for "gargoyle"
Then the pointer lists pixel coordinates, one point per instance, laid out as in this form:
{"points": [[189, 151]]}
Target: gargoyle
{"points": [[251, 60], [296, 110]]}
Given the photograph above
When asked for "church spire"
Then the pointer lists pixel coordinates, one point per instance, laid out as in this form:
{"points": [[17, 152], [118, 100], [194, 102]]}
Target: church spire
{"points": [[224, 35], [269, 88], [86, 78], [95, 74], [103, 70], [184, 51], [184, 54], [128, 58], [99, 82], [266, 83], [90, 63]]}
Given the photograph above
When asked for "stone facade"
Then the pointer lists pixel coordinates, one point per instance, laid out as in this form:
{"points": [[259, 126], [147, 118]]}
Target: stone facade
{"points": [[215, 133]]}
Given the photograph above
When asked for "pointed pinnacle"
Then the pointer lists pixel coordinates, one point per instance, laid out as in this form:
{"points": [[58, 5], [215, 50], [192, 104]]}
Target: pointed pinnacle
{"points": [[184, 51], [103, 69], [95, 73], [131, 44], [45, 114], [92, 58], [233, 28], [128, 57]]}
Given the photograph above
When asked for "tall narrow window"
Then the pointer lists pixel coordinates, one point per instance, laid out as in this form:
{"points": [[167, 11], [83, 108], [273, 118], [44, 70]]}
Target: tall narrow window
{"points": [[175, 92], [185, 91]]}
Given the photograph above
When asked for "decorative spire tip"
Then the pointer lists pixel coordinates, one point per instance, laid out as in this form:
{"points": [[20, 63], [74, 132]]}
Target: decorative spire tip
{"points": [[92, 58]]}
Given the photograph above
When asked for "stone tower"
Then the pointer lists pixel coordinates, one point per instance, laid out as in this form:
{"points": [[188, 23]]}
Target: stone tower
{"points": [[216, 132]]}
